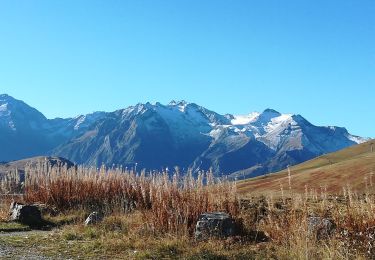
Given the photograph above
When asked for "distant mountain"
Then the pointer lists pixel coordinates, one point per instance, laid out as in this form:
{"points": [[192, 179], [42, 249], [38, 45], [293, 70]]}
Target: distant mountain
{"points": [[15, 170], [178, 134], [20, 130], [25, 132], [20, 165]]}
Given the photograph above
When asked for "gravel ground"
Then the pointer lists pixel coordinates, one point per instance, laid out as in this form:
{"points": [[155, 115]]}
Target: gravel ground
{"points": [[10, 252]]}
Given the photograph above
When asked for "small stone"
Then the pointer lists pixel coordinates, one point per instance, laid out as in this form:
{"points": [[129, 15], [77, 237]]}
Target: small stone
{"points": [[320, 227], [93, 218]]}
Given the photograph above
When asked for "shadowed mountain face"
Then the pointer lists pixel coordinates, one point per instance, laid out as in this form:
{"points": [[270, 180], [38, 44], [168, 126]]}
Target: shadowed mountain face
{"points": [[178, 134], [25, 132]]}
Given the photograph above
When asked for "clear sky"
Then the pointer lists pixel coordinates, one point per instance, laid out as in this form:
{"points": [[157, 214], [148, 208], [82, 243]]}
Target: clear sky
{"points": [[315, 58]]}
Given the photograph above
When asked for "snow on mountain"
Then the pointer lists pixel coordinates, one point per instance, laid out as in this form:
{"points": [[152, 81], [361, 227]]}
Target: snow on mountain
{"points": [[16, 114], [279, 132], [244, 119], [3, 108], [357, 139], [176, 134], [83, 121]]}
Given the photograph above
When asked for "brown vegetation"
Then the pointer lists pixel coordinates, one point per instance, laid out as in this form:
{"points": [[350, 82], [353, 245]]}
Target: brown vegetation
{"points": [[169, 204], [353, 166], [152, 215]]}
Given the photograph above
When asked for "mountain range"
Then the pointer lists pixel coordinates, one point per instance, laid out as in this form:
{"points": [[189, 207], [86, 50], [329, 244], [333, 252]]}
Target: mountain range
{"points": [[155, 136]]}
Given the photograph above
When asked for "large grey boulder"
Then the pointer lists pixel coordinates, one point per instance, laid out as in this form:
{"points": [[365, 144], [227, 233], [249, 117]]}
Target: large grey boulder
{"points": [[25, 214], [320, 227], [94, 218], [215, 224]]}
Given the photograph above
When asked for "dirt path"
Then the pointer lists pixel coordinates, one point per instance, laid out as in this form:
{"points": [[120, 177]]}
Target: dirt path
{"points": [[12, 252]]}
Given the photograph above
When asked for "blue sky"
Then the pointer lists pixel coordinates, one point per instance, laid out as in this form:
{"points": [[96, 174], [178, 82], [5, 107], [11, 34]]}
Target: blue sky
{"points": [[315, 58]]}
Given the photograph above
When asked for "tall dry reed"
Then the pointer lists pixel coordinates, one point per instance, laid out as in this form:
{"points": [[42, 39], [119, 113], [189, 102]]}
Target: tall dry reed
{"points": [[168, 203]]}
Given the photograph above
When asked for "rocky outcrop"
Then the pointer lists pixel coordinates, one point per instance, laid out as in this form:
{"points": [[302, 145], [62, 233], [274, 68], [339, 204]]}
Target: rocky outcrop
{"points": [[26, 214], [215, 224], [320, 227]]}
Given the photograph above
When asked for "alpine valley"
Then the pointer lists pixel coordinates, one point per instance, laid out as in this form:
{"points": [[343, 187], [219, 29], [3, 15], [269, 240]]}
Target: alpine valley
{"points": [[155, 136]]}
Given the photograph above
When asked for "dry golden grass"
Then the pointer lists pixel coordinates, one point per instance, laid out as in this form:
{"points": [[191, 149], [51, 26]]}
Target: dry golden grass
{"points": [[5, 201], [168, 204], [285, 221], [4, 208], [354, 166], [152, 216]]}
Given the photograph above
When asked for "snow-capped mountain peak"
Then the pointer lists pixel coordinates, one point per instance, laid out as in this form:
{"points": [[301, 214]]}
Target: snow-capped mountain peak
{"points": [[266, 116], [178, 102], [180, 105], [16, 113], [244, 119], [177, 134]]}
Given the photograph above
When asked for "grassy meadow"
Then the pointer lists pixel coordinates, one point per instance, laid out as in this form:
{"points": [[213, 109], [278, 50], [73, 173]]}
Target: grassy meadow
{"points": [[153, 215], [351, 168]]}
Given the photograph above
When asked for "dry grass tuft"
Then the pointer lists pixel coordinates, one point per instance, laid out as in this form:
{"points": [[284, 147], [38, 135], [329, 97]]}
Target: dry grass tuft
{"points": [[168, 204], [152, 215], [285, 221]]}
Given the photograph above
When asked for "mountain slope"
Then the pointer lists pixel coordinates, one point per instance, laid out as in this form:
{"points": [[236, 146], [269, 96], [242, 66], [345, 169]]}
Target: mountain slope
{"points": [[189, 135], [177, 134], [152, 135], [353, 166], [25, 132], [20, 134], [34, 161]]}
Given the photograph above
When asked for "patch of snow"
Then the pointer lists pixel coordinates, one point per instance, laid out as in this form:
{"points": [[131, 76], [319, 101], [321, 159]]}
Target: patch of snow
{"points": [[278, 121], [128, 110], [244, 119], [79, 122], [182, 115], [182, 108], [185, 123], [4, 107], [357, 139], [180, 105], [276, 124], [136, 110], [12, 126], [215, 133]]}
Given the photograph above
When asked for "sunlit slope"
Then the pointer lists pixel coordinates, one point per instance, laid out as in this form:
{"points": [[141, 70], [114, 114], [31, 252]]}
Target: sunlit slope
{"points": [[351, 166]]}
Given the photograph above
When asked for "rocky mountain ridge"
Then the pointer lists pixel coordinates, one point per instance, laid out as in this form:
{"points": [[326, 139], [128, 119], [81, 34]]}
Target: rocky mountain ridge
{"points": [[177, 134]]}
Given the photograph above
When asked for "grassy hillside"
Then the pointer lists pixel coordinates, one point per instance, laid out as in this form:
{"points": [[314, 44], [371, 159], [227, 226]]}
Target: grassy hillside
{"points": [[154, 216], [34, 161], [353, 166]]}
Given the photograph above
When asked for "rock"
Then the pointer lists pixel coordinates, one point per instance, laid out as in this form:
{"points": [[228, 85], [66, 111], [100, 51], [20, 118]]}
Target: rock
{"points": [[25, 214], [215, 224], [46, 209], [320, 227], [257, 236], [93, 218]]}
